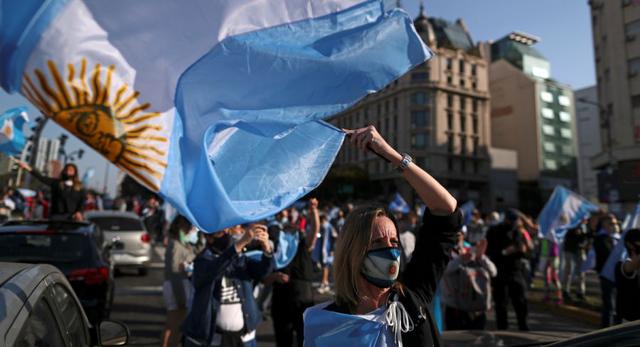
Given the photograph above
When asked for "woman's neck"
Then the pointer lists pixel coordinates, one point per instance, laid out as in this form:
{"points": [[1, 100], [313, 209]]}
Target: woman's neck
{"points": [[371, 297]]}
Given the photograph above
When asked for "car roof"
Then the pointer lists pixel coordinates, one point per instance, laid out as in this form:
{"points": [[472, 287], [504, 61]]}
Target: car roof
{"points": [[111, 213], [18, 283], [37, 225]]}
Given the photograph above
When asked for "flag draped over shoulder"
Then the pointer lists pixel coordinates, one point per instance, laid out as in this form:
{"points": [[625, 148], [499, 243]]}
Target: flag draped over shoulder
{"points": [[564, 210], [619, 252], [12, 138], [217, 105]]}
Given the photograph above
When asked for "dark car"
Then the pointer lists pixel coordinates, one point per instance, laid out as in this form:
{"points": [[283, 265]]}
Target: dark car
{"points": [[39, 308], [76, 248]]}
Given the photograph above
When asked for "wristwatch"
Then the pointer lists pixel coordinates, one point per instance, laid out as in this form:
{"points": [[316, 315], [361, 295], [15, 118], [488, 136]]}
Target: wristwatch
{"points": [[406, 160]]}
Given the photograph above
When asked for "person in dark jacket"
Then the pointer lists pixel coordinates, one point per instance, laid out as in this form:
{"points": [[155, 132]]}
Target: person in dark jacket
{"points": [[604, 242], [628, 278], [67, 194], [507, 248], [224, 311], [396, 309]]}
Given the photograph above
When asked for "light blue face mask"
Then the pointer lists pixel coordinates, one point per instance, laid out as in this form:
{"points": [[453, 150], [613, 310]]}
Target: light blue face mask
{"points": [[381, 266]]}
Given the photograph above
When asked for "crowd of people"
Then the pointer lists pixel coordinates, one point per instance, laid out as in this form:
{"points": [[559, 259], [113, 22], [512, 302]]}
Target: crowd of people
{"points": [[389, 267]]}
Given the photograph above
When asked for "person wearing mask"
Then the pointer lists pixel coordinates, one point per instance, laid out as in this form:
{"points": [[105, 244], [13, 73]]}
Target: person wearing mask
{"points": [[574, 255], [604, 242], [467, 289], [507, 248], [292, 292], [323, 252], [67, 194], [374, 305], [475, 230], [627, 276], [224, 311], [176, 287], [154, 218]]}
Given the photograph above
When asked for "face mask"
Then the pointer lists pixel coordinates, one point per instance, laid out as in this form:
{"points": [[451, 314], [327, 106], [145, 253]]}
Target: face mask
{"points": [[192, 237], [381, 266], [237, 237], [68, 183]]}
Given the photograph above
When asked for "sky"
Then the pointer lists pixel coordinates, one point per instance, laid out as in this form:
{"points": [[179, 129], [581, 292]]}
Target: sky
{"points": [[563, 26]]}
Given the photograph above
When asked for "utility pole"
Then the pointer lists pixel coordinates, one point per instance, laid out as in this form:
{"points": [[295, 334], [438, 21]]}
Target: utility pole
{"points": [[41, 122]]}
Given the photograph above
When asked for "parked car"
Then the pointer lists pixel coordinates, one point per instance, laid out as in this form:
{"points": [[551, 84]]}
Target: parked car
{"points": [[128, 228], [76, 248], [39, 308]]}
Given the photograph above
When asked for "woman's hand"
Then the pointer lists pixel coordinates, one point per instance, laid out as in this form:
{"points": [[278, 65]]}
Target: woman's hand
{"points": [[22, 164], [370, 139]]}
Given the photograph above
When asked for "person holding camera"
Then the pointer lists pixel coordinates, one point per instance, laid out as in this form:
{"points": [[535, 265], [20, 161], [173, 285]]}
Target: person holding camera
{"points": [[224, 311]]}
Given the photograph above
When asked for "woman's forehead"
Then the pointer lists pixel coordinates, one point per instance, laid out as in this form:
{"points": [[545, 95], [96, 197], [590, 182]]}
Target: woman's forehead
{"points": [[383, 226]]}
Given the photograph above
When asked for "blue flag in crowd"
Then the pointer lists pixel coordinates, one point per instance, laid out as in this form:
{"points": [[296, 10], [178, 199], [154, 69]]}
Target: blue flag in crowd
{"points": [[619, 252], [218, 106], [467, 211], [398, 204], [564, 210], [87, 176], [12, 138], [287, 249]]}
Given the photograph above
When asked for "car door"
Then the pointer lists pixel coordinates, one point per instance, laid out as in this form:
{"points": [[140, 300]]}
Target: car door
{"points": [[74, 324], [41, 327]]}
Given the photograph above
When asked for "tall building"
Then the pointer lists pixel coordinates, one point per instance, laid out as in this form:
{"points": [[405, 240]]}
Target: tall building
{"points": [[533, 115], [438, 113], [616, 42], [588, 133]]}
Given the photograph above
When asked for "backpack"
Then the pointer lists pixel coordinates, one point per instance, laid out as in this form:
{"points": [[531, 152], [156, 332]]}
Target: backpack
{"points": [[468, 288]]}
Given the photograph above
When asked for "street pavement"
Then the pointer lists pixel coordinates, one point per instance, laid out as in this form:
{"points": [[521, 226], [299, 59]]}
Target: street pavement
{"points": [[138, 303]]}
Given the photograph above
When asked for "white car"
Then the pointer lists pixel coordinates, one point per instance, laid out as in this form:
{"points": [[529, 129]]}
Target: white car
{"points": [[128, 228]]}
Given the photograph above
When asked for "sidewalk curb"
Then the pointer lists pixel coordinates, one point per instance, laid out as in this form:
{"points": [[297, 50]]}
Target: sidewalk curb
{"points": [[577, 313]]}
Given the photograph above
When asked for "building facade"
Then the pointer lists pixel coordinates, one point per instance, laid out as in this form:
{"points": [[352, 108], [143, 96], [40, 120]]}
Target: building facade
{"points": [[616, 42], [533, 115], [589, 143], [438, 113]]}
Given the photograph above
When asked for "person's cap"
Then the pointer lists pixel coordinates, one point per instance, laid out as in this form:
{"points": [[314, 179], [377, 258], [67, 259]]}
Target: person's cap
{"points": [[511, 215]]}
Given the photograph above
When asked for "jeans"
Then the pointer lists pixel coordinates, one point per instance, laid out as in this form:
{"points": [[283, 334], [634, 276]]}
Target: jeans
{"points": [[608, 293], [573, 265]]}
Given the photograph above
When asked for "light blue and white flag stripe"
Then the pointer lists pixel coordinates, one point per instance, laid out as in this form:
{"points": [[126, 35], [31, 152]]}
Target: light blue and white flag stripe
{"points": [[564, 210], [398, 204], [467, 211], [12, 138], [217, 105], [619, 252]]}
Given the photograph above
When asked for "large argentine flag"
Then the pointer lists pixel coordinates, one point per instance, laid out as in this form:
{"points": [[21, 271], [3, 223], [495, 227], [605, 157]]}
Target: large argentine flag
{"points": [[215, 104], [619, 252], [564, 210], [12, 138]]}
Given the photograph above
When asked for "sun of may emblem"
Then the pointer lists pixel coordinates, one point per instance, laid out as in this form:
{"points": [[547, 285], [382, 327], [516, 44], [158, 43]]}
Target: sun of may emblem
{"points": [[114, 124]]}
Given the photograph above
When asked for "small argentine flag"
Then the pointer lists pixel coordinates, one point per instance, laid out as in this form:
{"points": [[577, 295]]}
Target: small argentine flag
{"points": [[564, 210], [12, 138], [398, 204]]}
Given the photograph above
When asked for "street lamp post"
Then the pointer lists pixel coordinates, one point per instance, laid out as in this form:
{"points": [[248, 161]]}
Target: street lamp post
{"points": [[606, 124]]}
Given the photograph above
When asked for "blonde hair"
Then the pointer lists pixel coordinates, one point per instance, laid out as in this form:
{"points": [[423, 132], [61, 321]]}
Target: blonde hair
{"points": [[351, 248]]}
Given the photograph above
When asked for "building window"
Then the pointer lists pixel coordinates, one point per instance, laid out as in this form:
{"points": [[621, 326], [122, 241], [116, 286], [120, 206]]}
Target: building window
{"points": [[567, 150], [449, 101], [462, 82], [473, 70], [634, 66], [476, 146], [419, 98], [366, 114], [463, 123], [566, 133], [395, 103], [564, 100], [547, 113], [449, 64], [419, 119], [419, 77], [379, 109], [386, 125], [474, 105], [550, 164], [461, 67], [565, 116], [450, 120], [548, 130], [463, 104], [419, 141], [475, 167], [474, 122], [474, 85], [450, 164], [395, 123], [450, 80], [632, 29], [549, 147], [463, 145], [546, 96], [450, 143]]}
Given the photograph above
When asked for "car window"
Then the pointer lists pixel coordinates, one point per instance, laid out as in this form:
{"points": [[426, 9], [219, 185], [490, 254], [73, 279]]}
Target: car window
{"points": [[40, 329], [118, 223], [71, 315], [43, 247]]}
